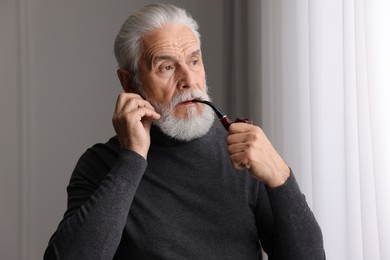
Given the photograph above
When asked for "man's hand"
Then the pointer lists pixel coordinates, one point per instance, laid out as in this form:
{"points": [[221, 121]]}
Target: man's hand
{"points": [[132, 120], [250, 148]]}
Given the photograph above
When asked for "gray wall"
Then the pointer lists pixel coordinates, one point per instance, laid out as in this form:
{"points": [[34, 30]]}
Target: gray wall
{"points": [[58, 88]]}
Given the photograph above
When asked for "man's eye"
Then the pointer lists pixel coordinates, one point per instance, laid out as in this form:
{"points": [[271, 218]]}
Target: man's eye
{"points": [[194, 62], [166, 68]]}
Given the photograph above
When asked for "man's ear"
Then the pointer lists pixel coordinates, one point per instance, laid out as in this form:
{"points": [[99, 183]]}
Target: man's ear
{"points": [[126, 80]]}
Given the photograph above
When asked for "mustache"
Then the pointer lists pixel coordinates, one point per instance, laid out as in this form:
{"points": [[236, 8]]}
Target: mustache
{"points": [[184, 96]]}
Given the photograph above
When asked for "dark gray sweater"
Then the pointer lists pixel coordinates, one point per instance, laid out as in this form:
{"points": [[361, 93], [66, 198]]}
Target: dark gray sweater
{"points": [[186, 202]]}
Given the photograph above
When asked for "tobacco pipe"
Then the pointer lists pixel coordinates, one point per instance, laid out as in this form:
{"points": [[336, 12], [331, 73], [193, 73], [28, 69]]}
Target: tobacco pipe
{"points": [[223, 118]]}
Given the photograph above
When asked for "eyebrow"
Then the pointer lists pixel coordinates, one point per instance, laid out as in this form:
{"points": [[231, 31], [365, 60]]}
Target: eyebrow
{"points": [[168, 57], [161, 57]]}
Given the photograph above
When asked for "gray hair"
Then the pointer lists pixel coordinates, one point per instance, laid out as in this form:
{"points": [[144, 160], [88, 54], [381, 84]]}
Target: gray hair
{"points": [[128, 42]]}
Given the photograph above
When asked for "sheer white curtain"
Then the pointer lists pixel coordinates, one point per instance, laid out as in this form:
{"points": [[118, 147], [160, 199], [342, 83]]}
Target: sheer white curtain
{"points": [[325, 105]]}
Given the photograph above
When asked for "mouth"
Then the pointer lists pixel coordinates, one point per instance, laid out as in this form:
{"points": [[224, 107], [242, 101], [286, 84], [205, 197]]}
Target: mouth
{"points": [[187, 102]]}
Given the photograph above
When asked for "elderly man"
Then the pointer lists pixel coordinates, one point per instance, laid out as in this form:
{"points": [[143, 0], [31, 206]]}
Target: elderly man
{"points": [[168, 185]]}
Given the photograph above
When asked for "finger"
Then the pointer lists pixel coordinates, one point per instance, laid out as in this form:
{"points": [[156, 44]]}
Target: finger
{"points": [[124, 98], [135, 103], [240, 127], [150, 114], [240, 161], [121, 100], [238, 148], [131, 102], [134, 117], [236, 138], [255, 136], [143, 113]]}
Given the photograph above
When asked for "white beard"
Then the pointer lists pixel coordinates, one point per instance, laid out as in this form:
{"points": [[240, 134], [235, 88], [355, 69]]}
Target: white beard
{"points": [[193, 126]]}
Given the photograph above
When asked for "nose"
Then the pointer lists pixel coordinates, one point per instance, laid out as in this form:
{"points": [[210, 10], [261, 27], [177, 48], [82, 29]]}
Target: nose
{"points": [[187, 78]]}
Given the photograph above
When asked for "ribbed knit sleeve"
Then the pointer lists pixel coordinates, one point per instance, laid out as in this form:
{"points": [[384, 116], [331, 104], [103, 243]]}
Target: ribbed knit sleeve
{"points": [[98, 205], [295, 233]]}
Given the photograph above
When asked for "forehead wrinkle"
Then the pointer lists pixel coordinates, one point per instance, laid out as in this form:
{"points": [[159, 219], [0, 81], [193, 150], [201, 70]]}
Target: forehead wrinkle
{"points": [[172, 36], [170, 51]]}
